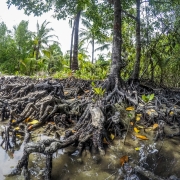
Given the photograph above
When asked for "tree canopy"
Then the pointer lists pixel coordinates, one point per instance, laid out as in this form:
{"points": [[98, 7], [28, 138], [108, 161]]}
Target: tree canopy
{"points": [[149, 33]]}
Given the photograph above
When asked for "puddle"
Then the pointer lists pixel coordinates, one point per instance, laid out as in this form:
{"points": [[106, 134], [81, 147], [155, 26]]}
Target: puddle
{"points": [[8, 160]]}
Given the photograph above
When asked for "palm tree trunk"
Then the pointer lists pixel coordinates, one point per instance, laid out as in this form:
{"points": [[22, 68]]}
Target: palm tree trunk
{"points": [[37, 50], [116, 64], [92, 50], [74, 65], [71, 49], [136, 70]]}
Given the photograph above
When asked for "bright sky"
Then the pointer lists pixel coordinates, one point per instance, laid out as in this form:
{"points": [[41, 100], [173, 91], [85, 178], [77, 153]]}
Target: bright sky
{"points": [[13, 16]]}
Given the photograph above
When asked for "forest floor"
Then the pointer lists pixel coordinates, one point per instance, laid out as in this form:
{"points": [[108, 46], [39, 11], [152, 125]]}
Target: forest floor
{"points": [[133, 155]]}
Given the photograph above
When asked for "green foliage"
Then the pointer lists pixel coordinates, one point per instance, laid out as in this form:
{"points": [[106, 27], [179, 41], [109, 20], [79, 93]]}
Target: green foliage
{"points": [[147, 98], [23, 39], [160, 40], [98, 91]]}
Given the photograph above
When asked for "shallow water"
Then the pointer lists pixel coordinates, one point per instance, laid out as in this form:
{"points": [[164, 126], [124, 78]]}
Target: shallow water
{"points": [[162, 158], [8, 160]]}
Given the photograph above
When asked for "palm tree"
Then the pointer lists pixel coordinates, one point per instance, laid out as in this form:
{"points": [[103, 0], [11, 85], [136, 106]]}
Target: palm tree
{"points": [[93, 36], [42, 38], [23, 40], [53, 56]]}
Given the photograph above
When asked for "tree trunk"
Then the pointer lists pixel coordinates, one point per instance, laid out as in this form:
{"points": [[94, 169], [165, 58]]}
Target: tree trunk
{"points": [[37, 50], [152, 69], [136, 70], [74, 64], [93, 50], [71, 49], [116, 64]]}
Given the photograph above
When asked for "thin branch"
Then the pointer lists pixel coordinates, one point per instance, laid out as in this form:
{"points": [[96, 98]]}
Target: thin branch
{"points": [[131, 16]]}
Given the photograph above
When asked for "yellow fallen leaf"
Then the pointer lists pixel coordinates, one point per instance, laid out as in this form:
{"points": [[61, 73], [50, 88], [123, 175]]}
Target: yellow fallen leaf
{"points": [[139, 115], [131, 123], [17, 128], [171, 113], [33, 122], [13, 120], [150, 111], [138, 118], [141, 127], [130, 108], [112, 136], [155, 126], [137, 148], [136, 130], [123, 160], [19, 136], [141, 137]]}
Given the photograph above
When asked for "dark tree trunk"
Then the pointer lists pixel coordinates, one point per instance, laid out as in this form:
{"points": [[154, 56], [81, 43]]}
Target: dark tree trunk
{"points": [[74, 64], [93, 50], [116, 64], [136, 70], [37, 50], [71, 48], [162, 77], [152, 69]]}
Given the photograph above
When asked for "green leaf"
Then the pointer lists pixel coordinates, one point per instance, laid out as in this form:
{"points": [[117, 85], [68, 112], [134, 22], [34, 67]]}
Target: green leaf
{"points": [[92, 84], [151, 97], [144, 98]]}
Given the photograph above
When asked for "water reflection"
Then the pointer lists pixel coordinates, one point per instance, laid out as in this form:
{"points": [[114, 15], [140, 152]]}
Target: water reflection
{"points": [[9, 159]]}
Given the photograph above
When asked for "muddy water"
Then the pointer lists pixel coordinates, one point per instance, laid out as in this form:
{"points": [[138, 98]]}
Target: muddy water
{"points": [[161, 158], [8, 160]]}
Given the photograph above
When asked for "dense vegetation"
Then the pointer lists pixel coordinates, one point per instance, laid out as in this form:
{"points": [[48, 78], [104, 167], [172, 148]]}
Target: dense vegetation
{"points": [[90, 114], [149, 46]]}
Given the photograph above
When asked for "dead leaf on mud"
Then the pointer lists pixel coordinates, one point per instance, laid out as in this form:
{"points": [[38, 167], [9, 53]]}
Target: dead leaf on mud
{"points": [[141, 137], [155, 126], [138, 117], [66, 92], [151, 112], [136, 130], [123, 160], [19, 136], [112, 136], [30, 127], [130, 108], [140, 127], [27, 119], [51, 122], [33, 122], [171, 113]]}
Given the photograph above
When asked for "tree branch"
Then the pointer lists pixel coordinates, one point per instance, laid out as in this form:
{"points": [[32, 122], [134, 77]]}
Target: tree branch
{"points": [[131, 16]]}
